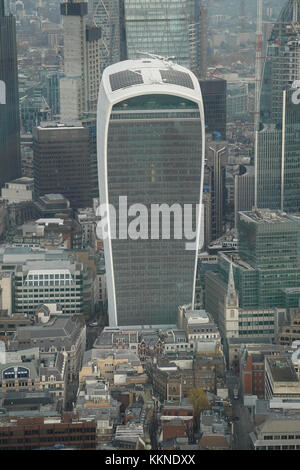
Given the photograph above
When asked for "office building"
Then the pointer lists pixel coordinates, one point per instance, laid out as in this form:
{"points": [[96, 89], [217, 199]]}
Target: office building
{"points": [[169, 28], [214, 101], [267, 263], [264, 274], [47, 276], [10, 154], [151, 150], [109, 16], [79, 86], [278, 167], [214, 185], [62, 162], [281, 379], [48, 433], [244, 184], [237, 101]]}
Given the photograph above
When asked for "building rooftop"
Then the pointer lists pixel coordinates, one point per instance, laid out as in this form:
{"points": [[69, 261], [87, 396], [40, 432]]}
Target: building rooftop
{"points": [[264, 216], [24, 180], [282, 369], [149, 75]]}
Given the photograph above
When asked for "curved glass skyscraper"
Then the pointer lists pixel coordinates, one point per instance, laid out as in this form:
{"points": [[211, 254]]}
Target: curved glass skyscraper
{"points": [[278, 160], [150, 152]]}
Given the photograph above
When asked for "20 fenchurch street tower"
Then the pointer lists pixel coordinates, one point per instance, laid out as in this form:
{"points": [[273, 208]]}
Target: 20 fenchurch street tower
{"points": [[150, 153]]}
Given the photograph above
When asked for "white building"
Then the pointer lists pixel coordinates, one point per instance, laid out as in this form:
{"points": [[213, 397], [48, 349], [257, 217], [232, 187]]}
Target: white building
{"points": [[19, 190]]}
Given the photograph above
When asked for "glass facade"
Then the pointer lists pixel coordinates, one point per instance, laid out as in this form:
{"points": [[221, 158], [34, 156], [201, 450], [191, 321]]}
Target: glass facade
{"points": [[160, 163], [109, 16], [10, 163], [163, 27], [278, 163], [266, 271]]}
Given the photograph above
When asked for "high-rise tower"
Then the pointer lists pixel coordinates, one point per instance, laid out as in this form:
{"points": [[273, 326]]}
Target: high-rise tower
{"points": [[278, 141], [169, 28], [109, 16], [10, 160], [80, 84], [151, 150]]}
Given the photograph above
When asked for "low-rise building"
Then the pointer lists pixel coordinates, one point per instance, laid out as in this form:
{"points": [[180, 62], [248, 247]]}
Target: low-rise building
{"points": [[173, 384], [198, 325], [32, 371], [16, 191], [281, 379], [290, 330], [277, 433], [105, 363], [61, 333], [34, 433], [129, 437], [216, 433]]}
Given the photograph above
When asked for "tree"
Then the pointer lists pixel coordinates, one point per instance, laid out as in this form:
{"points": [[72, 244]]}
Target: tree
{"points": [[200, 402]]}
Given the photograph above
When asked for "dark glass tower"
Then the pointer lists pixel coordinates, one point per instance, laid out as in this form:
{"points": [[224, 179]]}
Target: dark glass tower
{"points": [[10, 160]]}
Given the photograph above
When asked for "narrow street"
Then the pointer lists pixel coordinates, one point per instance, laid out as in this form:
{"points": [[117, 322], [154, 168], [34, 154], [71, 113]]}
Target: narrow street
{"points": [[242, 425]]}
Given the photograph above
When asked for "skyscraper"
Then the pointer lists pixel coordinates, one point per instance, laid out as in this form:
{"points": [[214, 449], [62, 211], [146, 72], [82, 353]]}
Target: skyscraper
{"points": [[214, 183], [10, 160], [278, 141], [168, 28], [214, 92], [80, 84], [151, 150], [109, 16]]}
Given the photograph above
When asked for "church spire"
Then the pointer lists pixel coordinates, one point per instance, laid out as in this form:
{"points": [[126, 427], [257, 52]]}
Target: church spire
{"points": [[232, 297]]}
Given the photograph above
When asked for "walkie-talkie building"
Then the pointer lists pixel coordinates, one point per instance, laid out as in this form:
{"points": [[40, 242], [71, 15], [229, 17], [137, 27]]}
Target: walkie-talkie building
{"points": [[150, 150]]}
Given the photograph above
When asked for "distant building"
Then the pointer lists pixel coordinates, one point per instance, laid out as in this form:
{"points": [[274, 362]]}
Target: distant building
{"points": [[215, 186], [278, 170], [243, 191], [214, 101], [109, 16], [237, 101], [168, 29]]}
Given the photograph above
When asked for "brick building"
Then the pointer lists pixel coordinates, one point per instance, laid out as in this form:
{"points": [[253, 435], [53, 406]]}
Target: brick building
{"points": [[33, 433], [253, 376]]}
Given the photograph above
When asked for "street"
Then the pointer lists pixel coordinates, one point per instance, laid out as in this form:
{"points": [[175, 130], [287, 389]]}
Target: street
{"points": [[242, 426]]}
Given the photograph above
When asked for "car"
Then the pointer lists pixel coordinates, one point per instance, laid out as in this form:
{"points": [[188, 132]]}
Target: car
{"points": [[93, 324]]}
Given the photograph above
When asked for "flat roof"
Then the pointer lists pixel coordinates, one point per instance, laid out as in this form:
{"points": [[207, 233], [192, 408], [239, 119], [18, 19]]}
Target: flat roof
{"points": [[282, 369]]}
